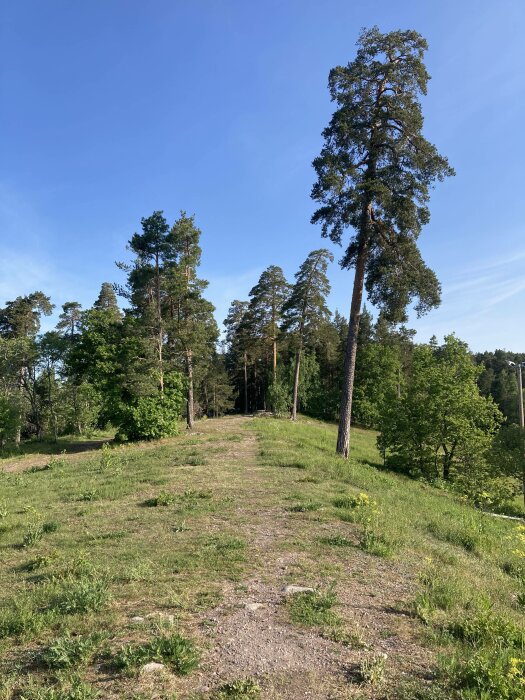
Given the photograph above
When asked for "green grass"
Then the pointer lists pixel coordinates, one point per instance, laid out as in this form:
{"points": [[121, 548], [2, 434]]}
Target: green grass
{"points": [[471, 584], [178, 653], [81, 556]]}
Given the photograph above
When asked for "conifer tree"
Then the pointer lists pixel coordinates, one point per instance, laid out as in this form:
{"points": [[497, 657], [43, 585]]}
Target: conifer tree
{"points": [[238, 340], [192, 329], [306, 309], [20, 323], [154, 256], [374, 174], [265, 310], [70, 318], [107, 299]]}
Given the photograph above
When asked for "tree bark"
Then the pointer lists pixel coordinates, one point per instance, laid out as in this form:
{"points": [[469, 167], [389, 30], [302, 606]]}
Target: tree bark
{"points": [[296, 384], [160, 338], [245, 384], [343, 436], [189, 406]]}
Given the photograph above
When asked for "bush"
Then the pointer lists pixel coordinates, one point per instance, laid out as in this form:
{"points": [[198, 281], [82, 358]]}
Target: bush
{"points": [[154, 417], [9, 420], [279, 398]]}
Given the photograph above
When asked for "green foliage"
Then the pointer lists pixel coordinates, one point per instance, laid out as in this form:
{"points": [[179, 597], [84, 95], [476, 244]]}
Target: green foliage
{"points": [[372, 668], [163, 499], [174, 650], [154, 417], [83, 594], [441, 426], [70, 651], [9, 419], [279, 397], [376, 542], [467, 533], [314, 609], [307, 507], [488, 673], [242, 689], [33, 534], [72, 689]]}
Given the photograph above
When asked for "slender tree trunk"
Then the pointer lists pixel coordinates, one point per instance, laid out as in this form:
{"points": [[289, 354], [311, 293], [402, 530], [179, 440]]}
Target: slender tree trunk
{"points": [[245, 385], [343, 436], [274, 359], [160, 339], [189, 374], [18, 434], [522, 427], [296, 384]]}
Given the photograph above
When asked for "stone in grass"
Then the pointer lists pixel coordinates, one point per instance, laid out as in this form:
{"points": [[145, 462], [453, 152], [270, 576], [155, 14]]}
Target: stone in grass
{"points": [[137, 619], [152, 667], [163, 617], [292, 590], [252, 607]]}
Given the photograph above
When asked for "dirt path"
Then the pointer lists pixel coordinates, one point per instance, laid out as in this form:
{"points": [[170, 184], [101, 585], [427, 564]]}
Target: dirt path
{"points": [[250, 634]]}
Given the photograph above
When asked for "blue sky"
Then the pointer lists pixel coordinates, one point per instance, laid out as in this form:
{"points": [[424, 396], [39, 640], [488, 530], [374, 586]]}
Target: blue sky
{"points": [[111, 109]]}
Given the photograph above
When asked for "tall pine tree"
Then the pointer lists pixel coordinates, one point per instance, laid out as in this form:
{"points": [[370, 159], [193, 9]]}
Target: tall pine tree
{"points": [[305, 309], [374, 174]]}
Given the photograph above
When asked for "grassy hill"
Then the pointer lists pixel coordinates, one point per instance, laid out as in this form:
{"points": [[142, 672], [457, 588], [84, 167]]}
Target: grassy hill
{"points": [[179, 553]]}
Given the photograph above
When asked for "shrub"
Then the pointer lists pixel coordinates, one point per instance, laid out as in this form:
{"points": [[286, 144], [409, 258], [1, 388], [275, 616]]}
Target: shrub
{"points": [[154, 417], [278, 396]]}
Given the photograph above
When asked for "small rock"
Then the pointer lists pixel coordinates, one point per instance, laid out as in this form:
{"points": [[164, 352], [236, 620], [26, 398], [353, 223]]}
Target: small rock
{"points": [[137, 618], [292, 590], [253, 606], [165, 617], [152, 667]]}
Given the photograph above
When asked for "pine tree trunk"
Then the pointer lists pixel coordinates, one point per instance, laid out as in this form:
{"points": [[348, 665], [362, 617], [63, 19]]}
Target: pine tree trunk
{"points": [[245, 385], [160, 338], [18, 434], [274, 359], [343, 436], [189, 374], [296, 384]]}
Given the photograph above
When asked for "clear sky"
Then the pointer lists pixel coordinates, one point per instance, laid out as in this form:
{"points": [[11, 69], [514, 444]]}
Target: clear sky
{"points": [[111, 109]]}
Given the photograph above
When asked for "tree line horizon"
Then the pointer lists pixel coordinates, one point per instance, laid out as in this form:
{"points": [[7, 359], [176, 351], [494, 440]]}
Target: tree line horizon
{"points": [[140, 368]]}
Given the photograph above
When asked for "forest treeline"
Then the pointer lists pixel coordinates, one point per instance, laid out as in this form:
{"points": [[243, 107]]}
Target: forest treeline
{"points": [[442, 413]]}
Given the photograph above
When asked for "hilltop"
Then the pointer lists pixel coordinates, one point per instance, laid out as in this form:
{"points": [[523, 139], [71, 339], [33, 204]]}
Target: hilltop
{"points": [[180, 552]]}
